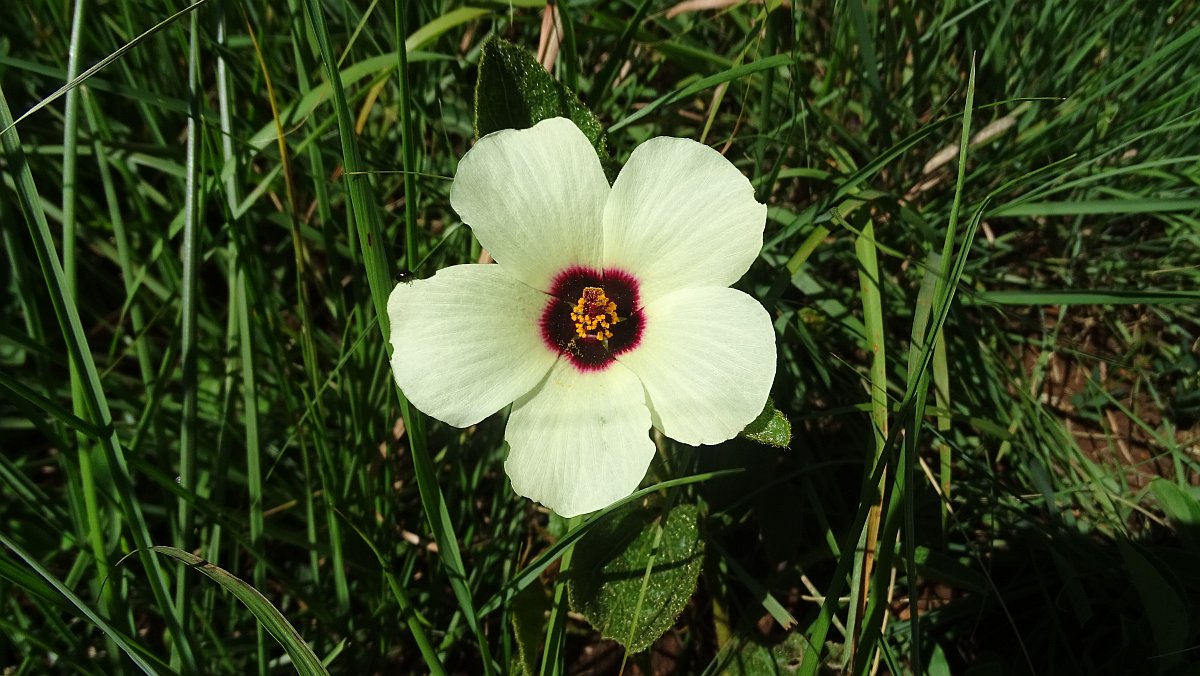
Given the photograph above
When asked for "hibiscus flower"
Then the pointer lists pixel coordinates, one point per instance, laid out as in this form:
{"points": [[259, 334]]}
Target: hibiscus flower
{"points": [[608, 310]]}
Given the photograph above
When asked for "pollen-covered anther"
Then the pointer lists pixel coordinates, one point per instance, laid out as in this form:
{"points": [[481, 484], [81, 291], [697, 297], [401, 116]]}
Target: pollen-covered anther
{"points": [[594, 314]]}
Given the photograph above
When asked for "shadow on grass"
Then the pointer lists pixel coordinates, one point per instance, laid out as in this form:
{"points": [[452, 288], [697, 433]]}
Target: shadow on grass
{"points": [[1013, 583]]}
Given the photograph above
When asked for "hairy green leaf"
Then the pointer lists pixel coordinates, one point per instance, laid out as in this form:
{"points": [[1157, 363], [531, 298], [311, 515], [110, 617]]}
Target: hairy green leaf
{"points": [[528, 618], [770, 427], [513, 91], [609, 582]]}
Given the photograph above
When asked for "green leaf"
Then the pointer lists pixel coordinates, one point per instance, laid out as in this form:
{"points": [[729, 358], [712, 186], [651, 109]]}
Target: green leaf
{"points": [[1179, 504], [1181, 507], [528, 617], [770, 428], [609, 582], [756, 657], [937, 565], [513, 91], [303, 658], [535, 568], [1163, 601]]}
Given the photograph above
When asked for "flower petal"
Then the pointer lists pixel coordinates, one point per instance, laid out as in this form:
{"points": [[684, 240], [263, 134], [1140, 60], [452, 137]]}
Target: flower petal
{"points": [[466, 342], [534, 198], [707, 360], [580, 441], [681, 215]]}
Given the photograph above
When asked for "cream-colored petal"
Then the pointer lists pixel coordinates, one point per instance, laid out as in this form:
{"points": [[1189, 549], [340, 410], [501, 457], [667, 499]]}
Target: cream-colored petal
{"points": [[580, 441], [534, 198], [707, 361], [467, 342], [681, 215]]}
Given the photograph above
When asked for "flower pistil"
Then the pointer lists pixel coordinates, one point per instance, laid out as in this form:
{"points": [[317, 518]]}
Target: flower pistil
{"points": [[594, 314]]}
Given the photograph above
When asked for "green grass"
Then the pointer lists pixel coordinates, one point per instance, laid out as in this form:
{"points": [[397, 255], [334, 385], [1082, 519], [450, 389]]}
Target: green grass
{"points": [[982, 257]]}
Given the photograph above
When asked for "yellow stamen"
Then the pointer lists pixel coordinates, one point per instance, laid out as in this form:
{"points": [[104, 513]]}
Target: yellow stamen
{"points": [[594, 314]]}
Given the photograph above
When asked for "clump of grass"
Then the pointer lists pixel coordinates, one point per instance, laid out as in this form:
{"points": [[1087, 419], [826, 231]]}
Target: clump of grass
{"points": [[984, 291]]}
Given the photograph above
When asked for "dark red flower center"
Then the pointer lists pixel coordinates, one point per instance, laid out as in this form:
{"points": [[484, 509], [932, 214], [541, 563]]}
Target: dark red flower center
{"points": [[592, 316]]}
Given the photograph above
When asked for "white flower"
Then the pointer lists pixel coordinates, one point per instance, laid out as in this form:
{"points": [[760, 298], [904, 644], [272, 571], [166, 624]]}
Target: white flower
{"points": [[608, 312]]}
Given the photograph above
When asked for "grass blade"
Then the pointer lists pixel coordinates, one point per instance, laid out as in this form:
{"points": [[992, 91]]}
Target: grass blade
{"points": [[865, 552], [137, 654], [1083, 297], [74, 82], [774, 61], [303, 658], [1095, 207], [375, 262], [190, 254], [94, 398]]}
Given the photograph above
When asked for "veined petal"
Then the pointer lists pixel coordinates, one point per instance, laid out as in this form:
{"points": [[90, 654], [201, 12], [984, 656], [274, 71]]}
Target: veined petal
{"points": [[707, 360], [466, 342], [581, 440], [534, 198], [681, 215]]}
